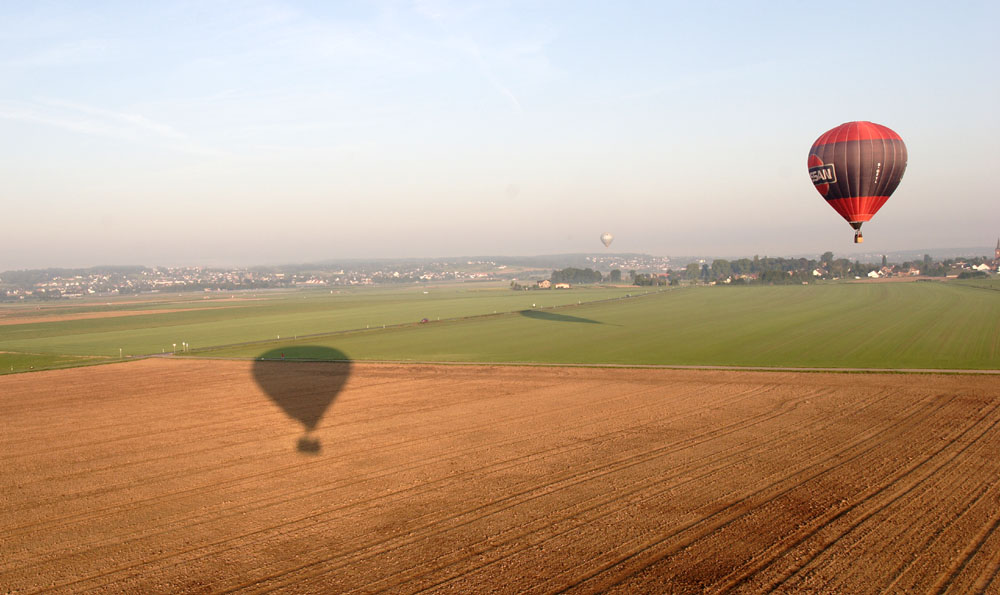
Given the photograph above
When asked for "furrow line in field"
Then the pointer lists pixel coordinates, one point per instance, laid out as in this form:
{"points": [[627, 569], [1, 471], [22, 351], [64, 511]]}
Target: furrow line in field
{"points": [[228, 406], [861, 529], [629, 559], [730, 460], [298, 467], [236, 543], [450, 390], [974, 545], [517, 499], [72, 427], [990, 572], [810, 531], [183, 377], [891, 492], [516, 463], [249, 425], [972, 490], [273, 501], [588, 511], [194, 428]]}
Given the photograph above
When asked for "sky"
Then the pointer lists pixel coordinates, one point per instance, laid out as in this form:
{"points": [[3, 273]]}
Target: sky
{"points": [[257, 132]]}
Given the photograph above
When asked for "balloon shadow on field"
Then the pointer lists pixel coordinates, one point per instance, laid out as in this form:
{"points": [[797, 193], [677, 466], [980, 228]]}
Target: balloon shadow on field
{"points": [[554, 317], [303, 380]]}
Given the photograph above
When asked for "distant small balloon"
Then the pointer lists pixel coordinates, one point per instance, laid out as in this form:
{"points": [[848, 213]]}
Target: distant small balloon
{"points": [[606, 239]]}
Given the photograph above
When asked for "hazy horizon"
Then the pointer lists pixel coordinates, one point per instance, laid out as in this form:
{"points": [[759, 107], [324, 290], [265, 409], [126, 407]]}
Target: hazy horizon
{"points": [[864, 255], [271, 132]]}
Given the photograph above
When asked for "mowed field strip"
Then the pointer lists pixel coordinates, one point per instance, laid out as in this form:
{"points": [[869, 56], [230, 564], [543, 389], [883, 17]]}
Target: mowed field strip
{"points": [[866, 325], [183, 475]]}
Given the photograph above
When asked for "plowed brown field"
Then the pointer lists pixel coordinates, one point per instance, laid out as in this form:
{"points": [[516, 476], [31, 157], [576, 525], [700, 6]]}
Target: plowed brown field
{"points": [[179, 475]]}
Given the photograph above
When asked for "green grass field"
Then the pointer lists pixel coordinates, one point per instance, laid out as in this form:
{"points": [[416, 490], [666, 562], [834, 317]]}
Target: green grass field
{"points": [[879, 325], [25, 362], [991, 283], [249, 317], [868, 325]]}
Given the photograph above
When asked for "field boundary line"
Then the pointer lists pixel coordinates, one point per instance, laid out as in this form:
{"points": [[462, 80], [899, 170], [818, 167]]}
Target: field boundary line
{"points": [[602, 365]]}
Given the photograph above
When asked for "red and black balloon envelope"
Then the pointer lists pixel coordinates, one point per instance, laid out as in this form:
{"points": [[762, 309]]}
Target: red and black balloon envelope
{"points": [[856, 167]]}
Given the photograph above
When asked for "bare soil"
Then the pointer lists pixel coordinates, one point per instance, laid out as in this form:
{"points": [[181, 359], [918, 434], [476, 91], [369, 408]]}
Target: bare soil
{"points": [[180, 475], [7, 321]]}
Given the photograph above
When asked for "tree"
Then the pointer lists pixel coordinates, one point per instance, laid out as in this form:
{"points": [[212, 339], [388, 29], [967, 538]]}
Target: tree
{"points": [[934, 269], [840, 267], [645, 279], [721, 269], [772, 277], [574, 275], [615, 276], [693, 270], [971, 274], [826, 258]]}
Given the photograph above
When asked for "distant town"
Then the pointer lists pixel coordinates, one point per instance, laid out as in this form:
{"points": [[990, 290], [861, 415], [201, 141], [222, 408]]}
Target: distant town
{"points": [[538, 272]]}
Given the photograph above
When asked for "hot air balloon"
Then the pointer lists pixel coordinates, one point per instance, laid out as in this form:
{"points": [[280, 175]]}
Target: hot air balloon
{"points": [[606, 239], [856, 167]]}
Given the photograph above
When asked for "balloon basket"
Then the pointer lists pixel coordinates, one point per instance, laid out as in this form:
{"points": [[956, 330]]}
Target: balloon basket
{"points": [[308, 445], [858, 238]]}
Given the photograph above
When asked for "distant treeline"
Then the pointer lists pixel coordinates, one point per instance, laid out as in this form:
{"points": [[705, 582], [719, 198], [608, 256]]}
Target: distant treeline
{"points": [[796, 270], [575, 275], [584, 276], [768, 271]]}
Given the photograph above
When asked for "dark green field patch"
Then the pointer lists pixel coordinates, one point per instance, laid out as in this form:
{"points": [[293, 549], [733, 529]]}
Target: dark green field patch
{"points": [[12, 363]]}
